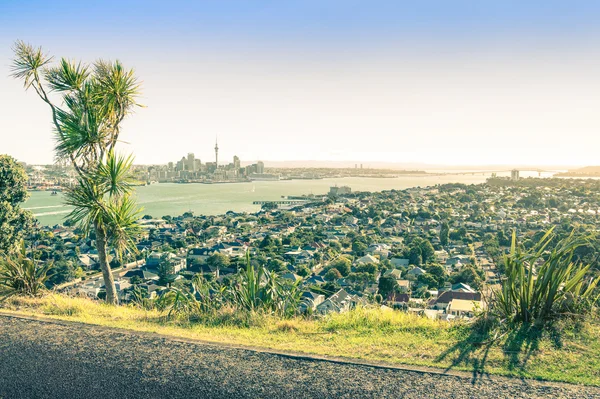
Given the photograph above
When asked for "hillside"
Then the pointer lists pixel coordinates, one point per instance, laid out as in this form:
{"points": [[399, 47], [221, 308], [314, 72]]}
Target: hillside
{"points": [[587, 171]]}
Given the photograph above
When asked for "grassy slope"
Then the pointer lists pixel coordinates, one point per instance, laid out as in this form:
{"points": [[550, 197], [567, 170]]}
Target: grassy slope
{"points": [[375, 335]]}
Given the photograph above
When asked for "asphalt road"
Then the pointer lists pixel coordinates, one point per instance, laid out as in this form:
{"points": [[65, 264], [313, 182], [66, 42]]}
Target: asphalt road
{"points": [[48, 360]]}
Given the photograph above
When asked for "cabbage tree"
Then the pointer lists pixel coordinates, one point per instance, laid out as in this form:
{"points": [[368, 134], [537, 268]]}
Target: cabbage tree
{"points": [[88, 103]]}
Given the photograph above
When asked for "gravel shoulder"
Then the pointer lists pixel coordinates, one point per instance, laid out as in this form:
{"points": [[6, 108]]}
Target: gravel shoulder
{"points": [[40, 359]]}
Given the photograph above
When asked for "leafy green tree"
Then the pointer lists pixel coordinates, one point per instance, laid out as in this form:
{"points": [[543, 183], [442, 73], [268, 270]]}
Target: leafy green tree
{"points": [[444, 233], [63, 271], [414, 255], [359, 247], [388, 285], [15, 223], [218, 261], [332, 274], [439, 273], [427, 280], [94, 101], [427, 251], [342, 265], [166, 270]]}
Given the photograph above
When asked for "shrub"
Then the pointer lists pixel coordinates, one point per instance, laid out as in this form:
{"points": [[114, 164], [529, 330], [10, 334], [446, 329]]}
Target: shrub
{"points": [[22, 276], [541, 285]]}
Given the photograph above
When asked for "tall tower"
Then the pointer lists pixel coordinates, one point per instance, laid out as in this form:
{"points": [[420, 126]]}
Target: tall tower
{"points": [[216, 154]]}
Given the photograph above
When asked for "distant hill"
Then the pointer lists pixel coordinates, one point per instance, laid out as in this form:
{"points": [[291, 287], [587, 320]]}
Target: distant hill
{"points": [[587, 171]]}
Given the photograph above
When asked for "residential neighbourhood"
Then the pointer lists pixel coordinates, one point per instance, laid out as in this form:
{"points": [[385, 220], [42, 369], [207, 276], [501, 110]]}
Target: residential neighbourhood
{"points": [[434, 251]]}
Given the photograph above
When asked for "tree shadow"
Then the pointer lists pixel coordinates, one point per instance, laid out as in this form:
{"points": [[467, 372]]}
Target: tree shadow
{"points": [[471, 351], [519, 345]]}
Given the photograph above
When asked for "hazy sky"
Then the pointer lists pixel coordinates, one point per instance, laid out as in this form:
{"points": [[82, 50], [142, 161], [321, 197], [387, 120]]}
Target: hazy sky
{"points": [[444, 82]]}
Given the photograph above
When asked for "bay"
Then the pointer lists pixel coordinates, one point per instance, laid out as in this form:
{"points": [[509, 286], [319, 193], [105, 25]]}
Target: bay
{"points": [[212, 199]]}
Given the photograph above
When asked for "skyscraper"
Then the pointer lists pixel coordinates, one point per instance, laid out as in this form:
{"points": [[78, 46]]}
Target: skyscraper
{"points": [[236, 162], [260, 167], [216, 153], [191, 165]]}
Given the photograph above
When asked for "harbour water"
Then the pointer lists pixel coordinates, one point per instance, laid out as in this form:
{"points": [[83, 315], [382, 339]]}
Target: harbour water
{"points": [[212, 199]]}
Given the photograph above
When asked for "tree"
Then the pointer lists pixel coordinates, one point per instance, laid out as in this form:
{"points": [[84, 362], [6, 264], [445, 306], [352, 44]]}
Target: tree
{"points": [[218, 261], [63, 271], [388, 285], [439, 273], [267, 242], [427, 251], [414, 255], [94, 100], [444, 233], [427, 280], [332, 274], [166, 270], [342, 265], [359, 247], [15, 223]]}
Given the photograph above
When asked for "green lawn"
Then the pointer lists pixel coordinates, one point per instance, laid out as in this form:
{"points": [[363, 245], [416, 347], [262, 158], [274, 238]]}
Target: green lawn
{"points": [[566, 354]]}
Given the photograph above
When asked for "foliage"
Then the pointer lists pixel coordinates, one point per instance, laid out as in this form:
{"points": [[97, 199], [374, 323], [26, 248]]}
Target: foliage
{"points": [[388, 285], [22, 276], [15, 223], [258, 289], [94, 100], [541, 285]]}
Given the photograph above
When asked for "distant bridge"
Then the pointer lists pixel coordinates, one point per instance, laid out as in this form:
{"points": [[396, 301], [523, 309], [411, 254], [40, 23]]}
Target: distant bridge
{"points": [[484, 172], [282, 202]]}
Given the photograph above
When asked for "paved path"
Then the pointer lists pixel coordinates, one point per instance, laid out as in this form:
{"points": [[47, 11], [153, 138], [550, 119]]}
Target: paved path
{"points": [[56, 360]]}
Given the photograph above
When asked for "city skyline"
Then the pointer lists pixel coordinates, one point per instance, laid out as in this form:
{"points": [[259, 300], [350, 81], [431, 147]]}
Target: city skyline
{"points": [[455, 84]]}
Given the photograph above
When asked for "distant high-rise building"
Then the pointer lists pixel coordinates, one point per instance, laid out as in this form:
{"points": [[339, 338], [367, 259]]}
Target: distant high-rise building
{"points": [[260, 167], [216, 153], [191, 164], [170, 166], [514, 175], [236, 162], [361, 165]]}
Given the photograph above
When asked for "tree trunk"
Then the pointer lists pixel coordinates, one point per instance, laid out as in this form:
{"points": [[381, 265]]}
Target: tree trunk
{"points": [[109, 282]]}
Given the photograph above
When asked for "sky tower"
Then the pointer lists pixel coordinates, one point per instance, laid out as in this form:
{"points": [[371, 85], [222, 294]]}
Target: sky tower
{"points": [[216, 154]]}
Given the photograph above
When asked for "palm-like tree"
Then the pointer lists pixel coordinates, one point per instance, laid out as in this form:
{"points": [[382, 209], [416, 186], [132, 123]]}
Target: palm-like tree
{"points": [[94, 100]]}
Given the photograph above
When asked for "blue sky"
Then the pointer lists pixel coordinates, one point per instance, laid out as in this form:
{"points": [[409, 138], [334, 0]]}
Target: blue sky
{"points": [[497, 82]]}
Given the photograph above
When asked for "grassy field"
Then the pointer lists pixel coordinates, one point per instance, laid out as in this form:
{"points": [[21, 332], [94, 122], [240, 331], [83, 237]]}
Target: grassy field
{"points": [[563, 354]]}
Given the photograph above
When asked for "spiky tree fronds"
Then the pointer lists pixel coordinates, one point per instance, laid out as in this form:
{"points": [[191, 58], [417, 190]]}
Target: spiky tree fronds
{"points": [[542, 284], [94, 101]]}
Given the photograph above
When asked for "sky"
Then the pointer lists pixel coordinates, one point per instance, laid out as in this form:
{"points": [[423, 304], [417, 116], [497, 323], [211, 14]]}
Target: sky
{"points": [[438, 82]]}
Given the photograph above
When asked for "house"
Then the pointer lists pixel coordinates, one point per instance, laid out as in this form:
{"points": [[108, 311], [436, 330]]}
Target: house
{"points": [[399, 262], [463, 307], [445, 297], [367, 259], [396, 299], [198, 255], [315, 280], [339, 302], [309, 301], [292, 277], [88, 261], [155, 258], [404, 285], [395, 273], [415, 272], [143, 274]]}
